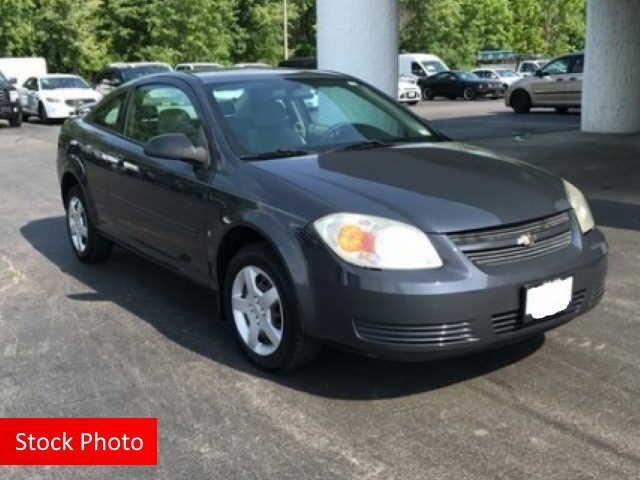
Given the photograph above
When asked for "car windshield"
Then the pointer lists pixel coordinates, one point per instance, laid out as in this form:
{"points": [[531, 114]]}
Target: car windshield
{"points": [[433, 66], [506, 73], [468, 75], [293, 116], [135, 72], [54, 83]]}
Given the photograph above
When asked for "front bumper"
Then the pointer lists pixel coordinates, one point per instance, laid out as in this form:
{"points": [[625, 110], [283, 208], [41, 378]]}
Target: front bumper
{"points": [[455, 310], [491, 92], [410, 96]]}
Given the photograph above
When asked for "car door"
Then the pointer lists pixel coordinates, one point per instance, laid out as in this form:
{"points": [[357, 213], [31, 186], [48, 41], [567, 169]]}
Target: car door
{"points": [[574, 82], [452, 85], [549, 87], [160, 204], [100, 147], [30, 99]]}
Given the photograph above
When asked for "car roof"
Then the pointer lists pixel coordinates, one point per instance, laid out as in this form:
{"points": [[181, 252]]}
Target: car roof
{"points": [[138, 64], [59, 75], [235, 74]]}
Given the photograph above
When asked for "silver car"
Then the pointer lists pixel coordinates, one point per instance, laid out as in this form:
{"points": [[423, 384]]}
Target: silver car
{"points": [[558, 85]]}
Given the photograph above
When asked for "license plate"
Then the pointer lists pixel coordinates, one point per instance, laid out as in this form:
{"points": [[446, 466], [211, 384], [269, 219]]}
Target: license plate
{"points": [[549, 298]]}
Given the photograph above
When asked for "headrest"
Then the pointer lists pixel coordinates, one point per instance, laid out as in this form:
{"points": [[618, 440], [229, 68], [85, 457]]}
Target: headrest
{"points": [[174, 119], [269, 113]]}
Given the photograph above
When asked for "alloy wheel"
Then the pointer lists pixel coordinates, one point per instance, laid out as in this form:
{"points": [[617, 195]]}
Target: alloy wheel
{"points": [[78, 226], [257, 310]]}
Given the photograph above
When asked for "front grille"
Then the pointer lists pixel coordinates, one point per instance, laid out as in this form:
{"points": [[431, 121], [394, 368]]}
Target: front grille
{"points": [[513, 243], [79, 102], [436, 335], [512, 321]]}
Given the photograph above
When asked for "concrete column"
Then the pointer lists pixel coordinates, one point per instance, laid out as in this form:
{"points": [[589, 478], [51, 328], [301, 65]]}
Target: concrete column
{"points": [[360, 38], [611, 90]]}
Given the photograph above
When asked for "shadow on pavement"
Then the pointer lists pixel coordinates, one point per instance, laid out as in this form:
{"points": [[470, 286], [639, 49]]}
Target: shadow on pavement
{"points": [[610, 213], [185, 313]]}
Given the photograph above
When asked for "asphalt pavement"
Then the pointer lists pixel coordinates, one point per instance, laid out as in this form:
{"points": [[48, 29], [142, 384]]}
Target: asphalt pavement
{"points": [[130, 339]]}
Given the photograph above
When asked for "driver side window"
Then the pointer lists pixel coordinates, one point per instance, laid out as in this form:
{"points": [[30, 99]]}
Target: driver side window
{"points": [[417, 70], [558, 67]]}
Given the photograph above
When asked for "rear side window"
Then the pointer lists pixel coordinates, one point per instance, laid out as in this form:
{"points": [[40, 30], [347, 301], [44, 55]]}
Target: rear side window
{"points": [[578, 64], [109, 115], [160, 109]]}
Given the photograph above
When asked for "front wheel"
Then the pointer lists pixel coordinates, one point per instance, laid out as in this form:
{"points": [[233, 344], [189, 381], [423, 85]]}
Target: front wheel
{"points": [[521, 102], [469, 94], [427, 93], [87, 244], [42, 113], [259, 301], [16, 120]]}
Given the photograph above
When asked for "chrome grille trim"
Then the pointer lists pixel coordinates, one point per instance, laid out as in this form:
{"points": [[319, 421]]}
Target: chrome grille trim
{"points": [[427, 335]]}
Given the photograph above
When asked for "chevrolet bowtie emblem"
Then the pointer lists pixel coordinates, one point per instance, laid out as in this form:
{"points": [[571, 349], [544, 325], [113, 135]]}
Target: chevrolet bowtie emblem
{"points": [[526, 240]]}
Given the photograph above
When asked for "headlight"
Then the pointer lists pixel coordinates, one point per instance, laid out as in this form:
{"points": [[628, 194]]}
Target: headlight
{"points": [[375, 242], [52, 100], [13, 96], [580, 206]]}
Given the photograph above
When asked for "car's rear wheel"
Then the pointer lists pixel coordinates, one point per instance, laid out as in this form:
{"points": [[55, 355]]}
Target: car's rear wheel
{"points": [[469, 93], [521, 101], [258, 300], [427, 93], [87, 244]]}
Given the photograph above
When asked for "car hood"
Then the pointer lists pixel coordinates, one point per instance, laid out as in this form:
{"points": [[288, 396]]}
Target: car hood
{"points": [[439, 187], [71, 93]]}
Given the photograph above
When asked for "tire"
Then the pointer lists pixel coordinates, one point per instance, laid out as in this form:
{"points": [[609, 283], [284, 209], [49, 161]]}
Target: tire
{"points": [[87, 244], [427, 94], [25, 116], [521, 101], [256, 268], [469, 94], [413, 104], [42, 113], [562, 110], [16, 121]]}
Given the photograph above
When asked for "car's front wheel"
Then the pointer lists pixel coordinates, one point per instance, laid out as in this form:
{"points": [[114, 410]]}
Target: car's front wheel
{"points": [[258, 300], [87, 244], [16, 120], [469, 93], [521, 101], [42, 113]]}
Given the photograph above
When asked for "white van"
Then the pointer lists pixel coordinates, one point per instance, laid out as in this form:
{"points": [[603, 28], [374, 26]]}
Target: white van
{"points": [[22, 68], [420, 65]]}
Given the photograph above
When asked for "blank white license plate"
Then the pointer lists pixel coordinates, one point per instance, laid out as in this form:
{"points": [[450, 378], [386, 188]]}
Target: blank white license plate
{"points": [[550, 298]]}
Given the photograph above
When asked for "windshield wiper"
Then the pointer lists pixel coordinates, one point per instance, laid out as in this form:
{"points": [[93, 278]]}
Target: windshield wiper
{"points": [[280, 153], [365, 145]]}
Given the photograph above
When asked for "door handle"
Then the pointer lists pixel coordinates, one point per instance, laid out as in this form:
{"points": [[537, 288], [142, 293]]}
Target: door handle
{"points": [[130, 167]]}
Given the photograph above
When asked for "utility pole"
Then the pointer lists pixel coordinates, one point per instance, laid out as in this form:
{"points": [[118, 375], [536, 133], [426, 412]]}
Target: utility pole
{"points": [[285, 21]]}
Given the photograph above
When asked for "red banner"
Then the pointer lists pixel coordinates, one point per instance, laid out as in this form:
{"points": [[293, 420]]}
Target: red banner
{"points": [[78, 441]]}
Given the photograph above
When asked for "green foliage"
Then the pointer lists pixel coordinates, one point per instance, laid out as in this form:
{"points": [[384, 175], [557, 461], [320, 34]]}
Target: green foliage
{"points": [[82, 35]]}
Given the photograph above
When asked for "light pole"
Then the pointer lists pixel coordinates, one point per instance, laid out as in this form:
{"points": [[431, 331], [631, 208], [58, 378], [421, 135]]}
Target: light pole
{"points": [[285, 22]]}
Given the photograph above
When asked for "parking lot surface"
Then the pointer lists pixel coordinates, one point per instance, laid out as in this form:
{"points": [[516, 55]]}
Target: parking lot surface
{"points": [[130, 339]]}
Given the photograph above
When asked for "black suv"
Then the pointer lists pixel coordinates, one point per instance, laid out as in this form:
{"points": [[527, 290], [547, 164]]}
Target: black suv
{"points": [[116, 74], [10, 108]]}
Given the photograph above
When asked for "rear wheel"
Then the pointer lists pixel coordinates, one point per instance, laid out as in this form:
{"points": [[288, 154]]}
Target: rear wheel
{"points": [[258, 300], [427, 93], [87, 244], [469, 93], [521, 102]]}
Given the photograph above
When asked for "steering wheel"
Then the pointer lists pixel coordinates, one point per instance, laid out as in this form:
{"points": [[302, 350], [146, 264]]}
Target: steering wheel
{"points": [[337, 131]]}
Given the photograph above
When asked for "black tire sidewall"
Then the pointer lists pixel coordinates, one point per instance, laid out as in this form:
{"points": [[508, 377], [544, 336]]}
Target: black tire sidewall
{"points": [[470, 97], [42, 113], [521, 102], [261, 256], [427, 93]]}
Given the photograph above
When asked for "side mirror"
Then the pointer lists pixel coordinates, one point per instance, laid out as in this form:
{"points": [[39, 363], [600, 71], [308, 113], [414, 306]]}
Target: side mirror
{"points": [[176, 146], [13, 80]]}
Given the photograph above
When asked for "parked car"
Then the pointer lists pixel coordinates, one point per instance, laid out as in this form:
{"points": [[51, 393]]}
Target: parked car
{"points": [[503, 75], [354, 223], [307, 63], [454, 84], [55, 96], [198, 67], [116, 74], [10, 107], [408, 91], [558, 85], [420, 65], [524, 68], [22, 68]]}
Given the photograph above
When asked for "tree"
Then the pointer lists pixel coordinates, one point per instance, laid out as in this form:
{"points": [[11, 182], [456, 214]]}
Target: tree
{"points": [[16, 28], [64, 35], [265, 17]]}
